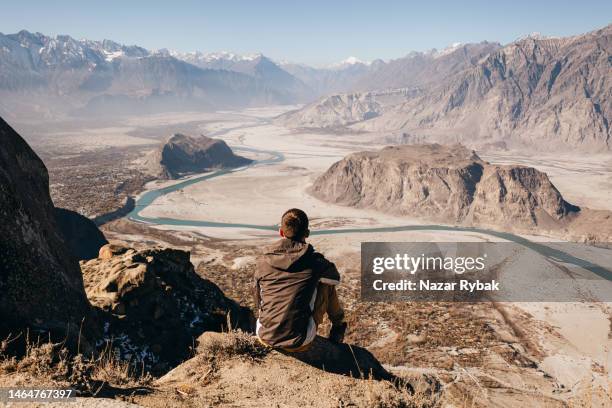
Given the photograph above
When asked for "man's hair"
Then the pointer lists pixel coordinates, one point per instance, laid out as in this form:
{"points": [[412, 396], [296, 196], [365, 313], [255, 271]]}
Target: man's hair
{"points": [[294, 224]]}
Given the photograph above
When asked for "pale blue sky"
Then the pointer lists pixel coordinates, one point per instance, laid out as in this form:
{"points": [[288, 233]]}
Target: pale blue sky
{"points": [[310, 31]]}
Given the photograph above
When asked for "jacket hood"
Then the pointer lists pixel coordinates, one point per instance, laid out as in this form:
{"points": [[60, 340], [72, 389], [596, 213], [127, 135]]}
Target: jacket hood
{"points": [[285, 252]]}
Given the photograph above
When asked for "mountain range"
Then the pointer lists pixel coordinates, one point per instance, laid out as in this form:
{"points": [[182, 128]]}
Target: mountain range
{"points": [[547, 92], [45, 76], [42, 75], [551, 93]]}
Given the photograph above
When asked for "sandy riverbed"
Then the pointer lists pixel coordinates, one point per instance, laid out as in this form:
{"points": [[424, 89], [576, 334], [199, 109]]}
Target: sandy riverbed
{"points": [[574, 337]]}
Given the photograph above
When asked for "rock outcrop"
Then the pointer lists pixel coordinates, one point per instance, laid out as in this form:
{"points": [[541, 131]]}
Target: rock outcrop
{"points": [[157, 304], [181, 155], [81, 234], [233, 369], [40, 282], [449, 184]]}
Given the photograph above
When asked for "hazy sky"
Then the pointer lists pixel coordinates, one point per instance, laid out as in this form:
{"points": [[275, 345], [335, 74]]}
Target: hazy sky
{"points": [[310, 31]]}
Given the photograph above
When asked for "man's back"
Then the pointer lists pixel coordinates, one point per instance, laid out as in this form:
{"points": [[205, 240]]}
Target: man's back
{"points": [[286, 280]]}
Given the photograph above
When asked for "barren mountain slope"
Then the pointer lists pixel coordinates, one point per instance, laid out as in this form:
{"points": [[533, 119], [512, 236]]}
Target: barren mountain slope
{"points": [[334, 111], [555, 93], [424, 69], [552, 93], [387, 85]]}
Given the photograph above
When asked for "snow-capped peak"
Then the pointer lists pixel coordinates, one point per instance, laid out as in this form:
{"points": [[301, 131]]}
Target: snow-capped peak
{"points": [[212, 57], [535, 36], [349, 62], [453, 47], [352, 61], [111, 55]]}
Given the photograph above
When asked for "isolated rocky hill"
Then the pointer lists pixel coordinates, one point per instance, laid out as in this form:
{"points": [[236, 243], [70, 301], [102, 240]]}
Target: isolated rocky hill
{"points": [[448, 184], [181, 155], [36, 267], [552, 93]]}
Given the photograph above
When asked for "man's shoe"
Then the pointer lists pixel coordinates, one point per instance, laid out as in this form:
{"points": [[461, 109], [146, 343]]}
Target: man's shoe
{"points": [[336, 334]]}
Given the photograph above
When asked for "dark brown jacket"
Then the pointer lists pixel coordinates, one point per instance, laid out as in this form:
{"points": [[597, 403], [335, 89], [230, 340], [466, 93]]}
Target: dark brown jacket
{"points": [[286, 280]]}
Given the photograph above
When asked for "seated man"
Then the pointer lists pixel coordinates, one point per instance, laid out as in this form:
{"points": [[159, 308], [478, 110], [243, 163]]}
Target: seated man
{"points": [[294, 288]]}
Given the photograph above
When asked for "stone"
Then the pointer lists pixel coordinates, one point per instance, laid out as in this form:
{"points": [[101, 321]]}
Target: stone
{"points": [[40, 280], [156, 305]]}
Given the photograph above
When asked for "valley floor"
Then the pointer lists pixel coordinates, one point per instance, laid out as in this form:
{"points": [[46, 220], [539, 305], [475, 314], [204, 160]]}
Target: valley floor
{"points": [[508, 354]]}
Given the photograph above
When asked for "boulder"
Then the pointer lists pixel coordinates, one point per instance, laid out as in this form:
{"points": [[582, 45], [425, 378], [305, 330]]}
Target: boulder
{"points": [[156, 305], [40, 281], [110, 250]]}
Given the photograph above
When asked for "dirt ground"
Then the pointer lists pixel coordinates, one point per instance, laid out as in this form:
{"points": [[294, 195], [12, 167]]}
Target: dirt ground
{"points": [[483, 353]]}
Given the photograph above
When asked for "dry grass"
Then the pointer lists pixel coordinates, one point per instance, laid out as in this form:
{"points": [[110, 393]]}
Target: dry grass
{"points": [[53, 364], [234, 344], [376, 394]]}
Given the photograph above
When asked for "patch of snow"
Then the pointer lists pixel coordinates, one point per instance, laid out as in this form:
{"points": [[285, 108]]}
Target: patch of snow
{"points": [[200, 57], [349, 62], [448, 50], [535, 36], [110, 55]]}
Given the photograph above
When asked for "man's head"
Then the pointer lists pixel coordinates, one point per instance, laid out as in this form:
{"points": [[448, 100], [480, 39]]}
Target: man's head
{"points": [[294, 225]]}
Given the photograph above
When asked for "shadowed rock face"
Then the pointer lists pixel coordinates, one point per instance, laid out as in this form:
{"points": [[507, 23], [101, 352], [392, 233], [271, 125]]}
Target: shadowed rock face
{"points": [[40, 282], [182, 155], [80, 233], [518, 195], [450, 184]]}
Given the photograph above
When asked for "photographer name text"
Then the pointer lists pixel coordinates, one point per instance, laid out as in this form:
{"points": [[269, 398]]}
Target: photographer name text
{"points": [[428, 285]]}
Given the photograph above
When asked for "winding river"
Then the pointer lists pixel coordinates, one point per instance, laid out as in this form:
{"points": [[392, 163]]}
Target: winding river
{"points": [[548, 250]]}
